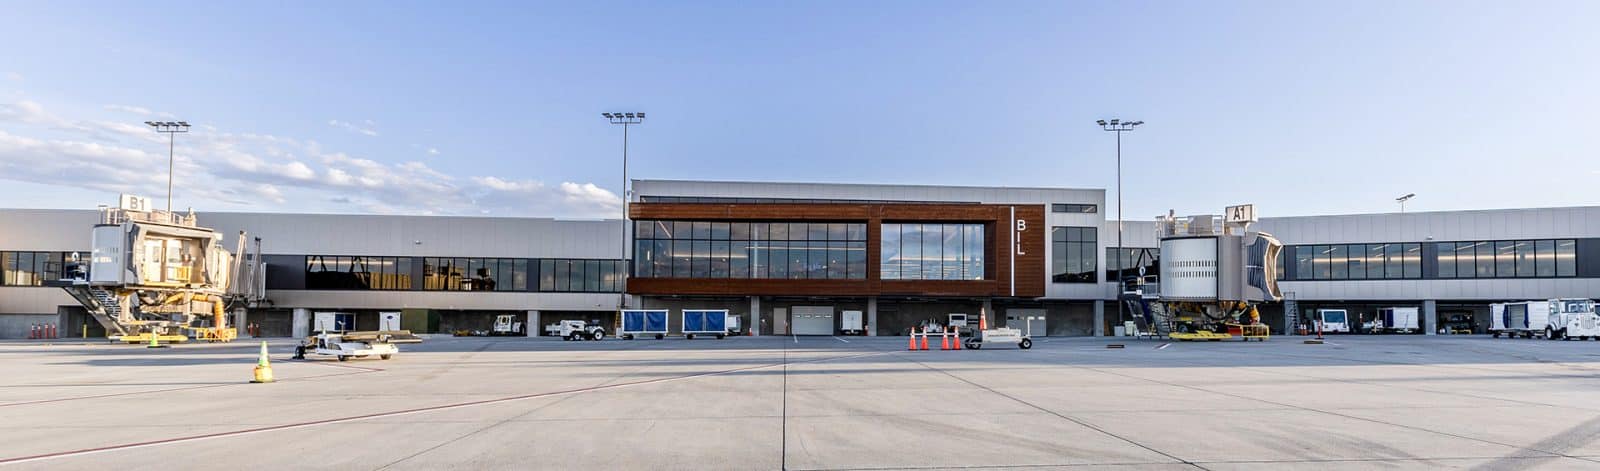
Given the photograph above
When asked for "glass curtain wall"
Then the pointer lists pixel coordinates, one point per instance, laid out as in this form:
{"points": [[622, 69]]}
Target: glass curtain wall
{"points": [[766, 250], [1546, 258], [931, 251], [1074, 254]]}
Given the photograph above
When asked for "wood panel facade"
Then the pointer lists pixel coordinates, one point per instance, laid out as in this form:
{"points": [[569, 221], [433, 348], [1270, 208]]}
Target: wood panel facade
{"points": [[1005, 245]]}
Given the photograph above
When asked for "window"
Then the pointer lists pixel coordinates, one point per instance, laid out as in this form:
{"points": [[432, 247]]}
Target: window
{"points": [[1447, 259], [335, 272], [1566, 258], [914, 251], [1073, 208], [1133, 259], [579, 276], [34, 268], [1075, 256], [1505, 259], [766, 250]]}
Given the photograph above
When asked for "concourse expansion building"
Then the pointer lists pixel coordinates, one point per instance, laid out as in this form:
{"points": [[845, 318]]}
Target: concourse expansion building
{"points": [[790, 258]]}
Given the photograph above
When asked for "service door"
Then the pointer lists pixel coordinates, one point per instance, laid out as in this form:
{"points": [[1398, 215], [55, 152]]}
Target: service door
{"points": [[1030, 321], [812, 320]]}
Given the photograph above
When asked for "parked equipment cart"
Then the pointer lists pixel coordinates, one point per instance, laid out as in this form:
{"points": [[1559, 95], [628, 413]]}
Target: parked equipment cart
{"points": [[705, 321], [1000, 336], [643, 323]]}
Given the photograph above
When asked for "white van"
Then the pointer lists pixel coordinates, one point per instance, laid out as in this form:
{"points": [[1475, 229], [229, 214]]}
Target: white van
{"points": [[1332, 321]]}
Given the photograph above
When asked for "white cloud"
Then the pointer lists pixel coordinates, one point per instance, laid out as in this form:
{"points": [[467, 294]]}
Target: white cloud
{"points": [[140, 110], [433, 151], [353, 128], [216, 167], [14, 76]]}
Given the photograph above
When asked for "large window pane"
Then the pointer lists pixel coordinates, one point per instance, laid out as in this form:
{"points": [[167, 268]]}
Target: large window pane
{"points": [[547, 275], [1412, 257], [1357, 255], [856, 232], [836, 260], [889, 252], [519, 273], [661, 262], [1337, 260], [1465, 260], [1394, 262], [1304, 269], [856, 260], [563, 275], [719, 259], [701, 263], [779, 231], [1566, 257], [702, 229], [972, 242], [836, 231], [911, 251], [1447, 259], [719, 231], [1525, 264], [1545, 257], [1486, 259], [932, 251], [682, 254], [591, 278], [739, 258], [778, 259], [799, 258], [815, 231], [643, 258], [739, 231], [1505, 259], [950, 257]]}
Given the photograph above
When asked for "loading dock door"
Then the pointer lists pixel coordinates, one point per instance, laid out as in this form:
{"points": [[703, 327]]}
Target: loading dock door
{"points": [[813, 320], [1031, 321]]}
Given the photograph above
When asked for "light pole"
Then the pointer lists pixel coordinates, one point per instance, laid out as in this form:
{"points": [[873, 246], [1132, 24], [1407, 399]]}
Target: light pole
{"points": [[1403, 199], [626, 120], [171, 129], [1119, 126]]}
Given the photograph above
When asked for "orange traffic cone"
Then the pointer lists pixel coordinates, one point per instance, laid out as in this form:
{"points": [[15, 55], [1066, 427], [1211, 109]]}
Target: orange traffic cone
{"points": [[924, 338], [911, 340], [944, 341], [958, 340]]}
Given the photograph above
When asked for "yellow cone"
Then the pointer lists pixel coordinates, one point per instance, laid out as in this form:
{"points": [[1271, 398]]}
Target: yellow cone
{"points": [[263, 367]]}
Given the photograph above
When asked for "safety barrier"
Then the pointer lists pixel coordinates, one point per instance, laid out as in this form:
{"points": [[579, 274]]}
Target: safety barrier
{"points": [[41, 331], [950, 340]]}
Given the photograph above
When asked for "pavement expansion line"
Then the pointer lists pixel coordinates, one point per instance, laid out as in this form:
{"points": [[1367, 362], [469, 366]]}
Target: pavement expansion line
{"points": [[298, 425], [1057, 414], [783, 435]]}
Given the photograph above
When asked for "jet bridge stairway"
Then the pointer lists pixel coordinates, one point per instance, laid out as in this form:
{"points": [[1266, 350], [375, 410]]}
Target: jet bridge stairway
{"points": [[101, 304]]}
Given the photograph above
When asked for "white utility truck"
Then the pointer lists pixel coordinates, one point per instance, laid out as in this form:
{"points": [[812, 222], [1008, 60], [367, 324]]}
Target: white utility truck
{"points": [[850, 323], [507, 324], [576, 330], [1332, 321], [1396, 320], [1552, 319]]}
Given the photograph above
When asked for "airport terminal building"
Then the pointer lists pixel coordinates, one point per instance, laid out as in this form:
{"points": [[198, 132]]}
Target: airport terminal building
{"points": [[788, 258]]}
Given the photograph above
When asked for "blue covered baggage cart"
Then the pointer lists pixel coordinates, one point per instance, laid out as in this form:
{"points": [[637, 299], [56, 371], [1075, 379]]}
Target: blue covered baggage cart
{"points": [[705, 321], [643, 323]]}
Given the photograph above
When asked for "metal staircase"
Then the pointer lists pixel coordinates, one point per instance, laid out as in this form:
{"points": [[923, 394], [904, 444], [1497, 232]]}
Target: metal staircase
{"points": [[101, 304]]}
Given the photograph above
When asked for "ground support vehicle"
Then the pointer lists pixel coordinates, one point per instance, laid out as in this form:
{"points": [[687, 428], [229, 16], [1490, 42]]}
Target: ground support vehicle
{"points": [[643, 323], [1551, 319], [1000, 336], [347, 345], [705, 322], [580, 330]]}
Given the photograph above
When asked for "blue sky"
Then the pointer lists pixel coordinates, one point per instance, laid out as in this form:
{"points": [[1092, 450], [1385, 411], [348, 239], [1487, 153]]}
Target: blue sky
{"points": [[493, 108]]}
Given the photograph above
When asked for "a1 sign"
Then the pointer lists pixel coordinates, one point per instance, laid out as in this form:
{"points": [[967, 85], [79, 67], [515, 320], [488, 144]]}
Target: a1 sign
{"points": [[1241, 213]]}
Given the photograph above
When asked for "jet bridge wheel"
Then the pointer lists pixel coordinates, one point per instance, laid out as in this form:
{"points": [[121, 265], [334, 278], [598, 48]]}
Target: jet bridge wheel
{"points": [[386, 356], [1026, 344]]}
